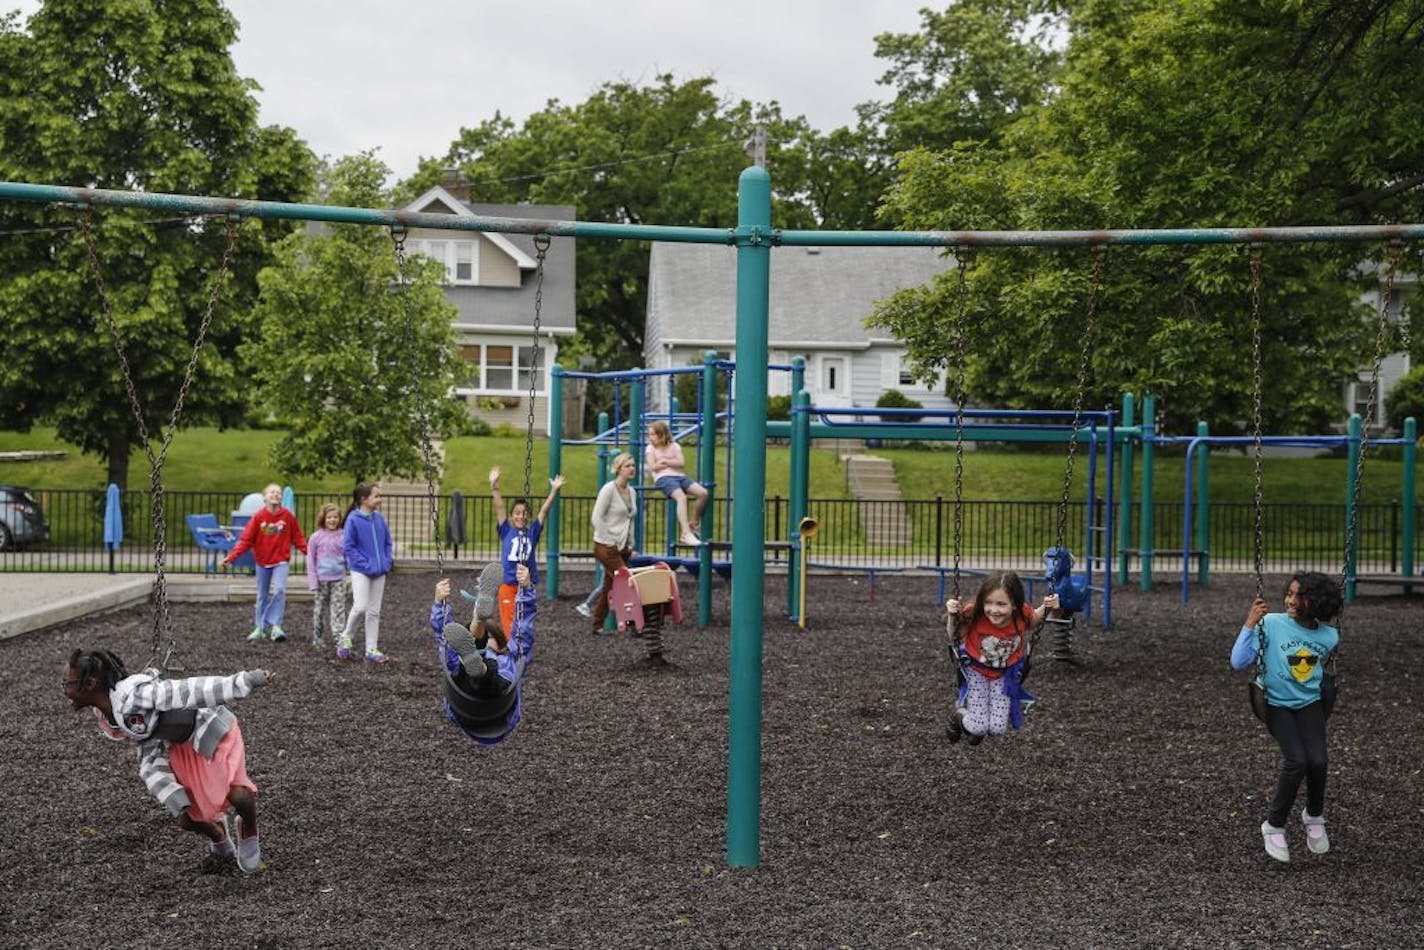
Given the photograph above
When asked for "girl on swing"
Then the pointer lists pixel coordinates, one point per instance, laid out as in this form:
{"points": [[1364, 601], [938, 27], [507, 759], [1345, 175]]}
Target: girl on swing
{"points": [[191, 753], [1291, 650], [991, 640], [484, 666]]}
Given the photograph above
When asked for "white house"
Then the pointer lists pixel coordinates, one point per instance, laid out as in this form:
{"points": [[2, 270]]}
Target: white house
{"points": [[490, 278], [820, 299]]}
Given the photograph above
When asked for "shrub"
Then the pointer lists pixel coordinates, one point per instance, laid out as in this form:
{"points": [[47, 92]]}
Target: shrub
{"points": [[894, 399], [1405, 399], [778, 408]]}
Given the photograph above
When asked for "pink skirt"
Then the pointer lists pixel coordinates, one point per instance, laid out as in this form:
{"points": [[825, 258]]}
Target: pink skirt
{"points": [[208, 781]]}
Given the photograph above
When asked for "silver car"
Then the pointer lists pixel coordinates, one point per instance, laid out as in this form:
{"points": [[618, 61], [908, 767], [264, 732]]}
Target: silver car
{"points": [[22, 520]]}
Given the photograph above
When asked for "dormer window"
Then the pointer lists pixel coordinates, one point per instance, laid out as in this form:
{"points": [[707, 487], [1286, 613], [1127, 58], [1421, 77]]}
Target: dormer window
{"points": [[460, 259]]}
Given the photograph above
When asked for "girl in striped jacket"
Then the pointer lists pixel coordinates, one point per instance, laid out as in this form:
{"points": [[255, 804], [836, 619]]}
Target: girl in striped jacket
{"points": [[190, 749]]}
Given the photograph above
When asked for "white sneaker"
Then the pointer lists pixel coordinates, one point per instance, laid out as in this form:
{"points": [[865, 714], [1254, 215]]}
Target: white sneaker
{"points": [[486, 595], [690, 539], [1275, 841], [583, 610], [1315, 837]]}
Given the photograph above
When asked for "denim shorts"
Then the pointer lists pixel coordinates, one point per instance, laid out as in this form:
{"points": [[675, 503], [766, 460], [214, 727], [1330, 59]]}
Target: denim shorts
{"points": [[671, 483]]}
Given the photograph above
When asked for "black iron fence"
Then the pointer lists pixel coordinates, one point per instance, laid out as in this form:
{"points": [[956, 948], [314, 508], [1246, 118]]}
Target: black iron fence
{"points": [[904, 534]]}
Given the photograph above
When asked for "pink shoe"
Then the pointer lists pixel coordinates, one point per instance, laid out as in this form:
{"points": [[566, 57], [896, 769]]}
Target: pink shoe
{"points": [[1275, 841], [1315, 837]]}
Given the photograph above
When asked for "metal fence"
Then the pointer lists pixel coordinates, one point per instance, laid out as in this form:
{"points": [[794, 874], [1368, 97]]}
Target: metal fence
{"points": [[904, 534]]}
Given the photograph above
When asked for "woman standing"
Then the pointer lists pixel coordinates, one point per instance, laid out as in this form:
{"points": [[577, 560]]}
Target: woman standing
{"points": [[613, 513], [366, 541]]}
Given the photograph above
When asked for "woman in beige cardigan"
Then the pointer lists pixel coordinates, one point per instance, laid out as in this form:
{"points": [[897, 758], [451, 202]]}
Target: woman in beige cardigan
{"points": [[613, 514]]}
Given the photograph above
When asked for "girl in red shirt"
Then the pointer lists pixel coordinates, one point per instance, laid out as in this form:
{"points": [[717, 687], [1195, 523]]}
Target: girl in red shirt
{"points": [[991, 636]]}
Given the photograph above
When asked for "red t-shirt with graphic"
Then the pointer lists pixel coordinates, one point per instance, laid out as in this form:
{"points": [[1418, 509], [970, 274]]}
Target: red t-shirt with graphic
{"points": [[995, 649]]}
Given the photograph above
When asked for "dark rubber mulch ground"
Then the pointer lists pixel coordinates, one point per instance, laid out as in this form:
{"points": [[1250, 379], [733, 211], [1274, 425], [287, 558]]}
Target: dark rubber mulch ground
{"points": [[1125, 814]]}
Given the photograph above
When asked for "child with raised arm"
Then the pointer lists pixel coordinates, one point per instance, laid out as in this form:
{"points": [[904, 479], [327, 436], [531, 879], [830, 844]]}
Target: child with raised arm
{"points": [[190, 749], [484, 668], [1290, 650], [271, 534], [668, 470], [991, 639], [518, 539]]}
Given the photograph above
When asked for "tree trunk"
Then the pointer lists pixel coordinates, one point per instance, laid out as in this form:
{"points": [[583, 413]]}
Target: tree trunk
{"points": [[118, 458]]}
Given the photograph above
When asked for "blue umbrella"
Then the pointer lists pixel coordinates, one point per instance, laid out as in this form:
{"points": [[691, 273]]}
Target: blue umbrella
{"points": [[289, 499], [113, 519]]}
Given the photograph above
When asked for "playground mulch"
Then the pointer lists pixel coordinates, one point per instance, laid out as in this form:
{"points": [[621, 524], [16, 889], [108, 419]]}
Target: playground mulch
{"points": [[1125, 814]]}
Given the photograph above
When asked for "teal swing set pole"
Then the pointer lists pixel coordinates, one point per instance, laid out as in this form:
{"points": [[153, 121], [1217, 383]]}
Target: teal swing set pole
{"points": [[707, 468], [748, 530]]}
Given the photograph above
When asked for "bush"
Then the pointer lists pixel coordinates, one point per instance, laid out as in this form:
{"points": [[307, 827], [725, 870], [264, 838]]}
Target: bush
{"points": [[1405, 399], [894, 399], [778, 408]]}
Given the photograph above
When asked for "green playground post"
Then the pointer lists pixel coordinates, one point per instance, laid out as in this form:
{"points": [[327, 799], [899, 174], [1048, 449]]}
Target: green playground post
{"points": [[1411, 454], [753, 238], [799, 489], [1145, 526], [637, 389], [1203, 511], [1124, 498], [707, 467], [556, 466], [1352, 543]]}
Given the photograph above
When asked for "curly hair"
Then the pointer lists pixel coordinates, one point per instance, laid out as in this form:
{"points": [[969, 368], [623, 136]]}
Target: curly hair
{"points": [[1319, 595]]}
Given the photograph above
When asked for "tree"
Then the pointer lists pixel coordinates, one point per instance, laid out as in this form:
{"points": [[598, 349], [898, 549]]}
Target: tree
{"points": [[343, 343], [666, 153], [1172, 114], [121, 94]]}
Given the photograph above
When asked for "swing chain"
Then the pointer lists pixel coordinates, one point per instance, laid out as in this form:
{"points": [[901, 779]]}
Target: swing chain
{"points": [[422, 419], [162, 623], [962, 255], [1396, 251], [541, 249], [1084, 364], [1258, 519]]}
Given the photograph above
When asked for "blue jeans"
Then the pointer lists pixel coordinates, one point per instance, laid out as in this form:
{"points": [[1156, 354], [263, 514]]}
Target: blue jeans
{"points": [[271, 595]]}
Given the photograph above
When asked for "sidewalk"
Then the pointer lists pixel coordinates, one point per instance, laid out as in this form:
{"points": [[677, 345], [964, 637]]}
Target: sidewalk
{"points": [[34, 601]]}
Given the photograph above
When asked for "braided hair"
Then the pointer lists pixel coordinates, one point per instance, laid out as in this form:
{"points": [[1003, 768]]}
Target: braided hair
{"points": [[105, 667]]}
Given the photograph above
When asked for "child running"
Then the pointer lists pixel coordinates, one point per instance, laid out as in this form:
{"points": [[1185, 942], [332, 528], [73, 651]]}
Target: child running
{"points": [[518, 539], [326, 575], [190, 749], [271, 534], [991, 637], [484, 669], [1290, 650]]}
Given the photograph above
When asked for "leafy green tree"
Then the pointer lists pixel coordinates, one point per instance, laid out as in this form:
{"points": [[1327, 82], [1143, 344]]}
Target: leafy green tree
{"points": [[1405, 399], [1179, 114], [664, 153], [343, 343], [129, 95]]}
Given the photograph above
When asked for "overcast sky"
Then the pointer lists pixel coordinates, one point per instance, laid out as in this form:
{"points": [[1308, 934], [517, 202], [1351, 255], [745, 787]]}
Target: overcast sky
{"points": [[404, 77]]}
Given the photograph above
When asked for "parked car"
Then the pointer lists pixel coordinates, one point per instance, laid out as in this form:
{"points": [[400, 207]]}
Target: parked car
{"points": [[22, 520]]}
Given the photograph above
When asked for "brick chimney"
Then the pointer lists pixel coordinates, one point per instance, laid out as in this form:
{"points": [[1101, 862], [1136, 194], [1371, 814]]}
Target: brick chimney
{"points": [[453, 181]]}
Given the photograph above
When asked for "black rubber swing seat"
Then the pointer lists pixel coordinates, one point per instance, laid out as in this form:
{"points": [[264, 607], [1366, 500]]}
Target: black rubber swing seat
{"points": [[481, 708]]}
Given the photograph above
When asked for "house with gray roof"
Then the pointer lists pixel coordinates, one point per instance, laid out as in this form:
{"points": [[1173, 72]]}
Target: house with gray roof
{"points": [[490, 278], [820, 299]]}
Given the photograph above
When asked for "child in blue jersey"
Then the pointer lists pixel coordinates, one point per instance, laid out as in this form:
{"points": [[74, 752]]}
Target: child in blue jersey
{"points": [[1293, 648], [518, 537], [484, 668]]}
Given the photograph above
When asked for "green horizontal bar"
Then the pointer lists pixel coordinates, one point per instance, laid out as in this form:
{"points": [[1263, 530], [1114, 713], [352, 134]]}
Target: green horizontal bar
{"points": [[190, 204], [869, 430]]}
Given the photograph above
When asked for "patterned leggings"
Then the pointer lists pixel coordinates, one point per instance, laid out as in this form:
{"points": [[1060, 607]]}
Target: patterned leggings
{"points": [[329, 603], [987, 708]]}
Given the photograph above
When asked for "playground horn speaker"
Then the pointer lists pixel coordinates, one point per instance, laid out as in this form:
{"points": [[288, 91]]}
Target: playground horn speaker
{"points": [[808, 529]]}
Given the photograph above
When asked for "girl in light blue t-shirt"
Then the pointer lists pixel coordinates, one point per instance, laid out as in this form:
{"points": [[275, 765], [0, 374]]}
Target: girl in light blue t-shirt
{"points": [[1293, 649]]}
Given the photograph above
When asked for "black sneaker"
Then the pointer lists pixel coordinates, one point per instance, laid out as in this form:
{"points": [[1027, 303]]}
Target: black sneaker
{"points": [[955, 730]]}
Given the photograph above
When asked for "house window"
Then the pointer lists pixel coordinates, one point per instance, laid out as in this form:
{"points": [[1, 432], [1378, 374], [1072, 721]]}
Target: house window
{"points": [[906, 377], [499, 368], [502, 367], [460, 259], [465, 269]]}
